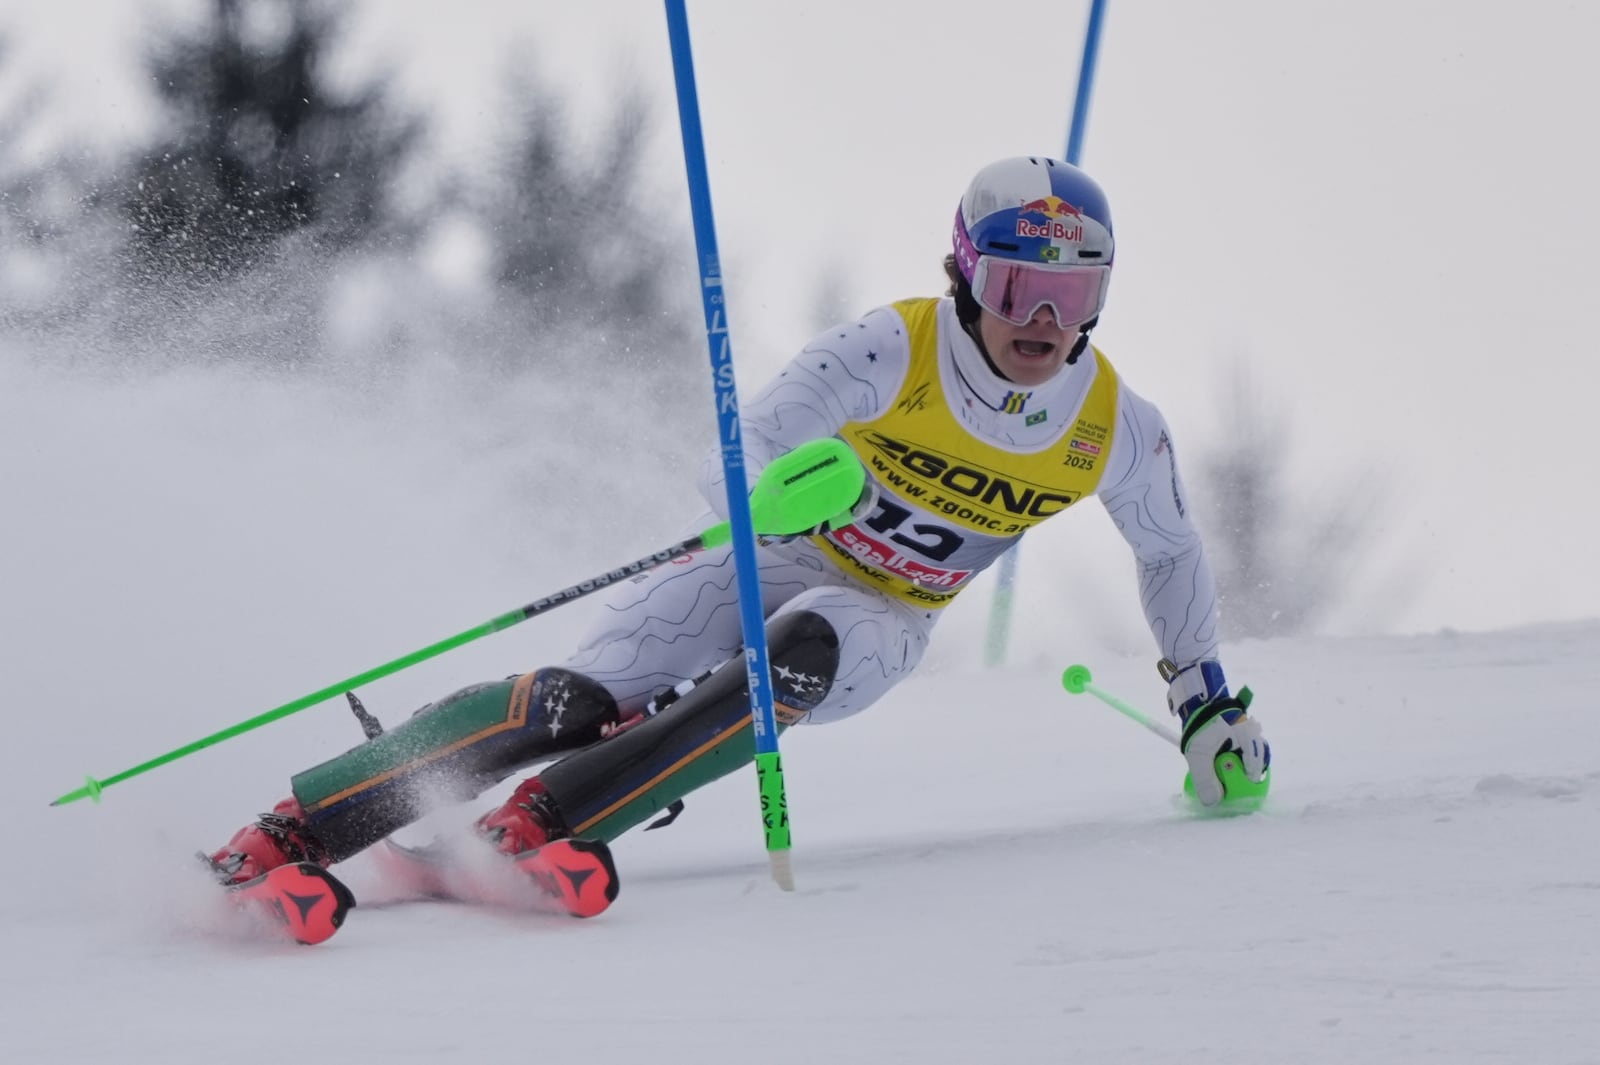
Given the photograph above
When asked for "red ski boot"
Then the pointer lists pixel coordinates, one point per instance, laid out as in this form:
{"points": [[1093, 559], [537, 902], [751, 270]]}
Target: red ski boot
{"points": [[275, 839], [546, 871], [527, 820]]}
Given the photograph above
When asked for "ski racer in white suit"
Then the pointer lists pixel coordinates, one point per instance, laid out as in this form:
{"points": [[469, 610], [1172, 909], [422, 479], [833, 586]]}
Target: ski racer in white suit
{"points": [[975, 422], [977, 416]]}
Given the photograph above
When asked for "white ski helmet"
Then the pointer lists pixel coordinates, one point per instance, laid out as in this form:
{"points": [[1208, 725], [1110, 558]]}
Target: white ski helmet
{"points": [[1030, 232]]}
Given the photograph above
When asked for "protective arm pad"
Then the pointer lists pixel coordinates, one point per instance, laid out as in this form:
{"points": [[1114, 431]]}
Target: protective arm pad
{"points": [[864, 505]]}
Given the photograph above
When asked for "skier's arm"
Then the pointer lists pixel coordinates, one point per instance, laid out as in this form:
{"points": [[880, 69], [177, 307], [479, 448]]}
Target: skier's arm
{"points": [[1144, 495], [843, 375]]}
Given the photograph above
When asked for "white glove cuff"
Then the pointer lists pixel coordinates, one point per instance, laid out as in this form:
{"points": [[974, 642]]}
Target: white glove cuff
{"points": [[1195, 686]]}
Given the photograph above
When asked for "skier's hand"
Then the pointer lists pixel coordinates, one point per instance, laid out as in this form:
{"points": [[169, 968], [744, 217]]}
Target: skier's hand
{"points": [[1214, 723], [1217, 727]]}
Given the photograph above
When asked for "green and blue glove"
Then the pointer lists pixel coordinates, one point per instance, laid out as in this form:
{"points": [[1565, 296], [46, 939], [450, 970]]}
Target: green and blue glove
{"points": [[1227, 754]]}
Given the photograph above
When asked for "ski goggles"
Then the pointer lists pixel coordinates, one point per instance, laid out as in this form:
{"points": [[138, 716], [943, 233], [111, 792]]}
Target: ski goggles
{"points": [[1015, 291]]}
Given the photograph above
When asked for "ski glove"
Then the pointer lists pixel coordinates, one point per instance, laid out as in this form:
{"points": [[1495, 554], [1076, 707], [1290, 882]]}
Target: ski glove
{"points": [[1214, 723]]}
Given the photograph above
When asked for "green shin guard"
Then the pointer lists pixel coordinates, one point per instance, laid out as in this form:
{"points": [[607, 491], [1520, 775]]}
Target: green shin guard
{"points": [[449, 751], [604, 790]]}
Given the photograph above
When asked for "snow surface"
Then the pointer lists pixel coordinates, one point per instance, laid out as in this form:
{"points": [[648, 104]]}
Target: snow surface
{"points": [[989, 869]]}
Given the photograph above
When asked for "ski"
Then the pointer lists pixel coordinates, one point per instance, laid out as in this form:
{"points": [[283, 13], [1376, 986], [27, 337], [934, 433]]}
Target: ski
{"points": [[571, 876], [304, 900]]}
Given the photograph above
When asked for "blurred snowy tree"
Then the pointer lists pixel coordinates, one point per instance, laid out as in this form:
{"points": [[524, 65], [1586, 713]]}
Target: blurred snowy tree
{"points": [[43, 205], [588, 247], [260, 145], [833, 300], [10, 123], [1286, 559]]}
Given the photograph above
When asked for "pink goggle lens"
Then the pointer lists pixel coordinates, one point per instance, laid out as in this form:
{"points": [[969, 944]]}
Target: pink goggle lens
{"points": [[1015, 291]]}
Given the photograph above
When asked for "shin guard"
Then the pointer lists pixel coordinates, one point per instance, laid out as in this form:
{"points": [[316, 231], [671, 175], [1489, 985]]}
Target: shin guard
{"points": [[450, 751], [604, 790]]}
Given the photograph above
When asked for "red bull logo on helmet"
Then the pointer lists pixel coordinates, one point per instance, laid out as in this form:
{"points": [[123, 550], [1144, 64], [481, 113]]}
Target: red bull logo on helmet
{"points": [[1052, 207], [1063, 221], [1072, 234]]}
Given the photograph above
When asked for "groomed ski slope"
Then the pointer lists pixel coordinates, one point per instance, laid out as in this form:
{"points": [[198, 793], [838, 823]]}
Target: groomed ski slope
{"points": [[990, 870], [1014, 884]]}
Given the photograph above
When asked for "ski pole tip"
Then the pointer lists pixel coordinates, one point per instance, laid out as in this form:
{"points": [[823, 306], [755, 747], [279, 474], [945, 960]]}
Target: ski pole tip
{"points": [[1076, 679], [91, 790]]}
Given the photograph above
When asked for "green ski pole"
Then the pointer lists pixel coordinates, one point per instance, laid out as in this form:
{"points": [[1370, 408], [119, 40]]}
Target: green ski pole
{"points": [[1240, 793], [816, 482], [1077, 681]]}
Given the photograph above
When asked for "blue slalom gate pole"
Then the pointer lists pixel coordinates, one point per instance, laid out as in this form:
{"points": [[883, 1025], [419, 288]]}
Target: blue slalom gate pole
{"points": [[999, 635], [769, 766], [1080, 105]]}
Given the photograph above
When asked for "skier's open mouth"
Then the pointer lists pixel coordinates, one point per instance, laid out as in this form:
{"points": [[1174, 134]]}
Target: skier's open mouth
{"points": [[1033, 349]]}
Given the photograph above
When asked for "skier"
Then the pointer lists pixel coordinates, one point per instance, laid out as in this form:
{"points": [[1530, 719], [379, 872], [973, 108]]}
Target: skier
{"points": [[977, 416]]}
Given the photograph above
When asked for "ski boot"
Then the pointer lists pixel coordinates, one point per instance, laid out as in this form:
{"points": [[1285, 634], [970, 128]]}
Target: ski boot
{"points": [[527, 821], [278, 838]]}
